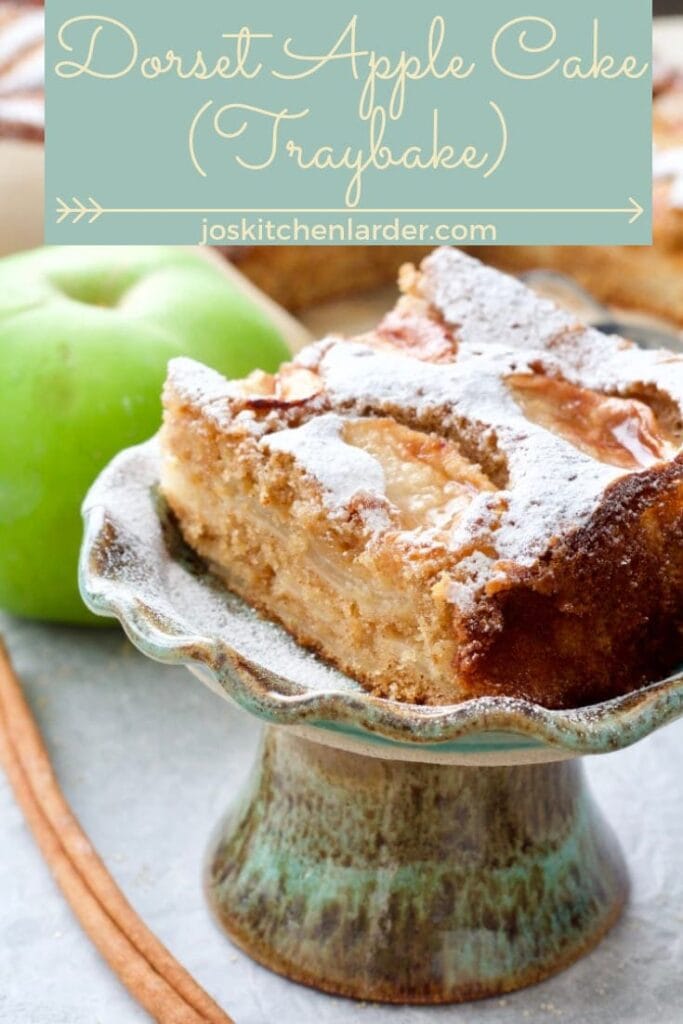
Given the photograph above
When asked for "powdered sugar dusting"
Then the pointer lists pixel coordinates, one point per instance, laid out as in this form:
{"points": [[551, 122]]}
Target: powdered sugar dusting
{"points": [[199, 385], [549, 487], [343, 471], [26, 75], [486, 307], [552, 485], [23, 110], [667, 165], [22, 69], [21, 45]]}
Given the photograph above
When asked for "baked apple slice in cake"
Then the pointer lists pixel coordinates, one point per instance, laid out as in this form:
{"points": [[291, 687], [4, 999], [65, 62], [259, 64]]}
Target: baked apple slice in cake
{"points": [[479, 497]]}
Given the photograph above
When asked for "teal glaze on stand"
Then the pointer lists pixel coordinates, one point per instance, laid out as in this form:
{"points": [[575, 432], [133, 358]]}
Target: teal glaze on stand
{"points": [[382, 850], [413, 883]]}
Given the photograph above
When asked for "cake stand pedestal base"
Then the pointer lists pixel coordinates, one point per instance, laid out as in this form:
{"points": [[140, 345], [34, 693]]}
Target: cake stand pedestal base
{"points": [[407, 882]]}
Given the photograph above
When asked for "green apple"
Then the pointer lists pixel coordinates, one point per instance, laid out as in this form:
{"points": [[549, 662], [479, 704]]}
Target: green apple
{"points": [[85, 336]]}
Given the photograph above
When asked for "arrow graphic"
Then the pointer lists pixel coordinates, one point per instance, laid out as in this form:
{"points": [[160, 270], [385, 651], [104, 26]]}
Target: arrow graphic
{"points": [[79, 210], [637, 209], [93, 210]]}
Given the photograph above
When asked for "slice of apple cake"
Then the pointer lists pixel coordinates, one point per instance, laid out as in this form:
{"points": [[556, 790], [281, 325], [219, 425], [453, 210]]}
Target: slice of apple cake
{"points": [[481, 496]]}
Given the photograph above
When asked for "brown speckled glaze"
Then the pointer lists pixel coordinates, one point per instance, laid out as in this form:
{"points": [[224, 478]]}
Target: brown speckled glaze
{"points": [[409, 882]]}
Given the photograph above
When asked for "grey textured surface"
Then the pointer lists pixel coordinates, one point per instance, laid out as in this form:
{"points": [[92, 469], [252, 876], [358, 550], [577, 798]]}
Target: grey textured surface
{"points": [[150, 760]]}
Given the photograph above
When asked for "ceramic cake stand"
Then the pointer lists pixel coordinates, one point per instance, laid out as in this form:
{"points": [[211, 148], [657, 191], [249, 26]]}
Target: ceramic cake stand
{"points": [[381, 850]]}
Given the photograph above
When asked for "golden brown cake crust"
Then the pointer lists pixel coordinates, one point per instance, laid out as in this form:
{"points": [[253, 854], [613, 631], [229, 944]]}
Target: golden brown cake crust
{"points": [[479, 497]]}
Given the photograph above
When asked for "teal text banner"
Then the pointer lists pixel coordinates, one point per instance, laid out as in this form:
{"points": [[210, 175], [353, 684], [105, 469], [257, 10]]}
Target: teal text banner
{"points": [[354, 122]]}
